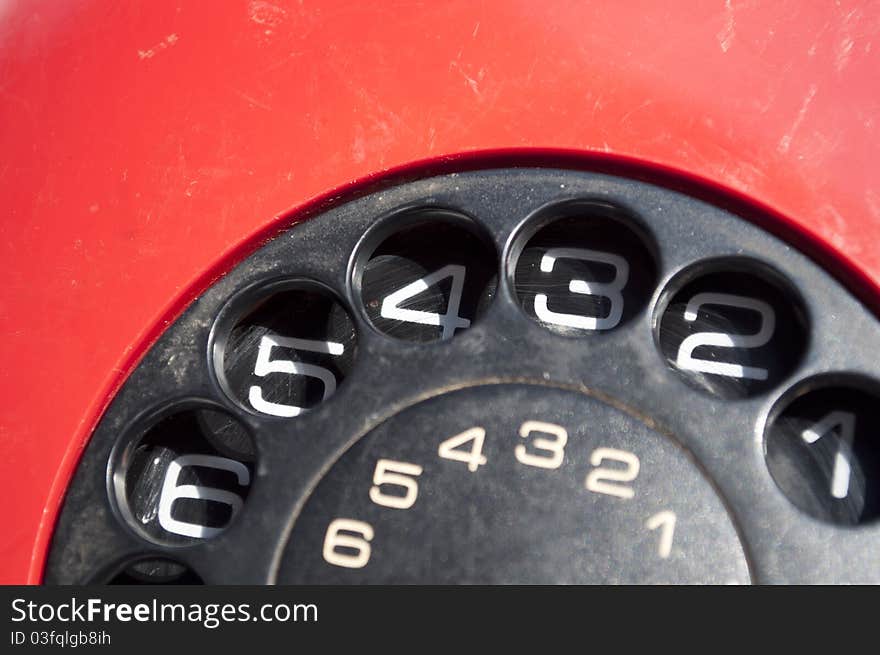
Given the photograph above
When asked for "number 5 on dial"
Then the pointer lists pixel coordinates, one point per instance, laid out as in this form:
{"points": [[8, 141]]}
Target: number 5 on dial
{"points": [[265, 365], [398, 474]]}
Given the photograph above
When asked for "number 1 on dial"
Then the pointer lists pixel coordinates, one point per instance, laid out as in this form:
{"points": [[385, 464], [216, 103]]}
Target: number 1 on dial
{"points": [[842, 468], [664, 520]]}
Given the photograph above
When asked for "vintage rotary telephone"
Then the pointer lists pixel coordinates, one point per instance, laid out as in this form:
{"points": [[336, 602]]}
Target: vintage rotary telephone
{"points": [[453, 293]]}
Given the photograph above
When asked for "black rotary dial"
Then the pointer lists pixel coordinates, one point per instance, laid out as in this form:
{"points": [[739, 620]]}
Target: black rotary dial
{"points": [[514, 484], [502, 376]]}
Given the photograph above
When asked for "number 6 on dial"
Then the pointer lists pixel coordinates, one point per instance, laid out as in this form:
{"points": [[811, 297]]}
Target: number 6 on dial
{"points": [[171, 492], [337, 538]]}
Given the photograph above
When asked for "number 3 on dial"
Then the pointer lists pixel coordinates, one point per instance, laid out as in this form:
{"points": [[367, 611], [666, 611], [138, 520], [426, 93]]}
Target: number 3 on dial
{"points": [[555, 447], [610, 290]]}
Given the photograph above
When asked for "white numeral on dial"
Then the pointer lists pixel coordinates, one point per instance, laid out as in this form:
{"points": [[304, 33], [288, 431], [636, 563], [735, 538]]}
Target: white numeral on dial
{"points": [[450, 321], [685, 359], [397, 474], [351, 535], [846, 421], [664, 520], [171, 492], [605, 480], [474, 458], [265, 365], [610, 290], [555, 447]]}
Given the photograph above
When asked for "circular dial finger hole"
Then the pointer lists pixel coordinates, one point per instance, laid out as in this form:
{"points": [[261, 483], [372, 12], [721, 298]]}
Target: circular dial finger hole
{"points": [[731, 328], [155, 571], [430, 279], [176, 483], [587, 270], [822, 449], [284, 348]]}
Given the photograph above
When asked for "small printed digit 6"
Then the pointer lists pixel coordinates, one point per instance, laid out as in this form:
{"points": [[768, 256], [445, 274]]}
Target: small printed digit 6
{"points": [[351, 535]]}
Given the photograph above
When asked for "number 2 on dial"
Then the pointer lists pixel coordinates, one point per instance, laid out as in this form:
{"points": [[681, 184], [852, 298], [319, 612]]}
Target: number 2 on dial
{"points": [[685, 358], [608, 480]]}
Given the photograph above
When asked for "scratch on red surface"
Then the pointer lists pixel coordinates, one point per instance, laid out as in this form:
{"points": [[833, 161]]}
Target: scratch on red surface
{"points": [[872, 199], [725, 36], [785, 141], [844, 50], [265, 13], [252, 101], [164, 44]]}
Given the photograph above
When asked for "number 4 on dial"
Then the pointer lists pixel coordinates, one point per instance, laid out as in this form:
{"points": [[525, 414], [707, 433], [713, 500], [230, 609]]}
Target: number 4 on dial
{"points": [[474, 458], [450, 321]]}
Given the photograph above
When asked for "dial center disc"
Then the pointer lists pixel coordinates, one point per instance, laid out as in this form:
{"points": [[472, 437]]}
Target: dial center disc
{"points": [[514, 483]]}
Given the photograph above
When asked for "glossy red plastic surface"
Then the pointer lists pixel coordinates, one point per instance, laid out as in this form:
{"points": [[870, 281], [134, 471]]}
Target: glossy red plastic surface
{"points": [[147, 148]]}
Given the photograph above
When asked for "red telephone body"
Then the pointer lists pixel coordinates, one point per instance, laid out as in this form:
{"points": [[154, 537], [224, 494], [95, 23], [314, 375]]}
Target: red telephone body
{"points": [[149, 147]]}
